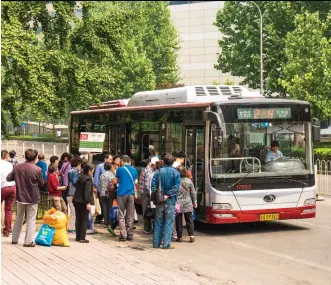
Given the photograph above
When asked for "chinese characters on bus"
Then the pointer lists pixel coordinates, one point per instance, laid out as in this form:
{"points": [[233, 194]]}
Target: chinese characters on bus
{"points": [[263, 113]]}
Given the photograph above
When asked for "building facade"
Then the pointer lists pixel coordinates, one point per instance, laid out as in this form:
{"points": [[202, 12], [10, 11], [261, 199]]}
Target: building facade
{"points": [[199, 41]]}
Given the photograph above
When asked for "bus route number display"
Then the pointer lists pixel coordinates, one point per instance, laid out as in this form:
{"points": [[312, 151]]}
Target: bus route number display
{"points": [[91, 142], [263, 113]]}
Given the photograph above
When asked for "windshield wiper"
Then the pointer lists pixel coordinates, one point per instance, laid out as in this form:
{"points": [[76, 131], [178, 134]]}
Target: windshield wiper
{"points": [[235, 183], [293, 180]]}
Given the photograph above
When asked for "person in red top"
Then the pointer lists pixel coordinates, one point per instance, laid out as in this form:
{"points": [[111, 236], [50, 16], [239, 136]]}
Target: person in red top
{"points": [[55, 190]]}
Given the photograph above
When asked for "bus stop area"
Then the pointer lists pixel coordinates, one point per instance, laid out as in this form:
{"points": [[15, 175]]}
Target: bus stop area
{"points": [[273, 253], [94, 263]]}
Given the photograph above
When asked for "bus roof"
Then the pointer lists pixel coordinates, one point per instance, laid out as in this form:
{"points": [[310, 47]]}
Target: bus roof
{"points": [[143, 108], [261, 101], [185, 97]]}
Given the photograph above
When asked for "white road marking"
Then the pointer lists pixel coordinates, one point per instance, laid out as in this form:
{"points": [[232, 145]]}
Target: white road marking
{"points": [[284, 256]]}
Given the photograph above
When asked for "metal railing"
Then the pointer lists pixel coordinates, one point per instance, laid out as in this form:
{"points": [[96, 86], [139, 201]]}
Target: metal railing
{"points": [[44, 205], [323, 176], [47, 148]]}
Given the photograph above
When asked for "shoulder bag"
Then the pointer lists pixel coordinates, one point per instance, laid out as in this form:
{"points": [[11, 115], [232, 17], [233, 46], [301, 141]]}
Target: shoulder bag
{"points": [[157, 196]]}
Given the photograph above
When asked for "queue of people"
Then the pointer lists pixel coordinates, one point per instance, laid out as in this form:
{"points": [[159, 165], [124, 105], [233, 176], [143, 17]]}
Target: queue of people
{"points": [[71, 182]]}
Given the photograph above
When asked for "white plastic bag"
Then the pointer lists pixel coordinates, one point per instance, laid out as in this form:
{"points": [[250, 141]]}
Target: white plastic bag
{"points": [[92, 210]]}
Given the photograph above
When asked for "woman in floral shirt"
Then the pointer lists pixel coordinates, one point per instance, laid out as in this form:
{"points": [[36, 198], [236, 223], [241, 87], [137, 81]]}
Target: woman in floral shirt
{"points": [[105, 178], [187, 199]]}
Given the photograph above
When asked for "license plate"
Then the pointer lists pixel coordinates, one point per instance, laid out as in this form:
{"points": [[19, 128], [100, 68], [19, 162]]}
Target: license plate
{"points": [[269, 217]]}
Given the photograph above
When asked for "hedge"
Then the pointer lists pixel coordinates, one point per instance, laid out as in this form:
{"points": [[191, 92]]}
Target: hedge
{"points": [[38, 138], [322, 153]]}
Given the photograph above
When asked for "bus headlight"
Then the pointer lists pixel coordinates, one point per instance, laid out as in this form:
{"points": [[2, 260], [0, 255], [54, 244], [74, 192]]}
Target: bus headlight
{"points": [[222, 206], [310, 202]]}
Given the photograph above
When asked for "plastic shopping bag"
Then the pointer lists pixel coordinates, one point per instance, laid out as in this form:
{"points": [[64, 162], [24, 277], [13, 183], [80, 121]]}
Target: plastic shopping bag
{"points": [[59, 221], [61, 237], [45, 235], [193, 215], [113, 214]]}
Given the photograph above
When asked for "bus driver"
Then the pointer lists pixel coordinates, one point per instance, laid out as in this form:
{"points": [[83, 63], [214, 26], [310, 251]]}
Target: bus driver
{"points": [[274, 153]]}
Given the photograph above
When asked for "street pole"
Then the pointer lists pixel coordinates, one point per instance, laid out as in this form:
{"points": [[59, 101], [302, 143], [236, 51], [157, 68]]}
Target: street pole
{"points": [[261, 49]]}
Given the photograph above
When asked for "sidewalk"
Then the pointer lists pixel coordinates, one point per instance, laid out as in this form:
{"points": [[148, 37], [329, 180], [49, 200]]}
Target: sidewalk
{"points": [[94, 263]]}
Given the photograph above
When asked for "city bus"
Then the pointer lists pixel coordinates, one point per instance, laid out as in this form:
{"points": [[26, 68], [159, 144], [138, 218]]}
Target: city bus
{"points": [[225, 133]]}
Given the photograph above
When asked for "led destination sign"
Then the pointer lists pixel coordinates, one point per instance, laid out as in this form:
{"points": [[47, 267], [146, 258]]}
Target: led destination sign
{"points": [[263, 113]]}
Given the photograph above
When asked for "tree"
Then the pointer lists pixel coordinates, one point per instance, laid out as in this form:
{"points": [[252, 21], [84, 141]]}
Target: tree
{"points": [[55, 63], [149, 22], [240, 52], [32, 72], [307, 73]]}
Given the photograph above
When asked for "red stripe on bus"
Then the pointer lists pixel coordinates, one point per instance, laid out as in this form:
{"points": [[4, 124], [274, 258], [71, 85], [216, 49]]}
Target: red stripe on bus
{"points": [[247, 216]]}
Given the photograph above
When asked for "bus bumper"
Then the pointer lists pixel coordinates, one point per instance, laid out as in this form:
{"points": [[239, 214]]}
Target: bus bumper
{"points": [[230, 217]]}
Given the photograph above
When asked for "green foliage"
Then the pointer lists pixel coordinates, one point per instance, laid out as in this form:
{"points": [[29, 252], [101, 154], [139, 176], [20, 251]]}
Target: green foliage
{"points": [[229, 82], [307, 74], [322, 153], [240, 46], [39, 138], [55, 63], [322, 145]]}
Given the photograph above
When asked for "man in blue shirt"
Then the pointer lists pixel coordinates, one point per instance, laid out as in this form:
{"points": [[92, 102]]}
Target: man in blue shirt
{"points": [[165, 213], [43, 165], [274, 153], [99, 170], [126, 177]]}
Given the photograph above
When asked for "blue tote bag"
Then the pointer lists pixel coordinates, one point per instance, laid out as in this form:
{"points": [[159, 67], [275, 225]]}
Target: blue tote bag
{"points": [[45, 235]]}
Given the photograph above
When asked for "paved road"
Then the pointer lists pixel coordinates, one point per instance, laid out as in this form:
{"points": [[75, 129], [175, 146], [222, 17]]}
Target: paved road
{"points": [[293, 252]]}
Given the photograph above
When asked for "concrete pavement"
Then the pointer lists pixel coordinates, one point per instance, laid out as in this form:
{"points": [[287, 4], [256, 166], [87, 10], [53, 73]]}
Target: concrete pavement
{"points": [[269, 253], [294, 252]]}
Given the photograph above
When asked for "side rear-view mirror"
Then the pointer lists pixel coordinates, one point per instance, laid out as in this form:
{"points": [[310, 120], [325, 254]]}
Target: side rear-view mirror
{"points": [[213, 117], [316, 130]]}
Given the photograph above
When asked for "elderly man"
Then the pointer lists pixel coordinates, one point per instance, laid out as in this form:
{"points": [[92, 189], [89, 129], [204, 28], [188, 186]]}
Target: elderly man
{"points": [[169, 180], [151, 151]]}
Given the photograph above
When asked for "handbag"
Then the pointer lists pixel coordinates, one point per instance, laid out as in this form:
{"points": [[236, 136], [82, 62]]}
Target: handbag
{"points": [[111, 191], [61, 178], [149, 213], [157, 196]]}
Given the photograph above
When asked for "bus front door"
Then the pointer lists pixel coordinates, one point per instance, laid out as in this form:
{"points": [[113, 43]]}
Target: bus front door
{"points": [[194, 161], [116, 139]]}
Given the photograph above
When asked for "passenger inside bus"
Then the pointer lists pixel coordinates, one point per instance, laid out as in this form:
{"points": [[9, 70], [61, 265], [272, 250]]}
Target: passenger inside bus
{"points": [[274, 153], [233, 147], [233, 151]]}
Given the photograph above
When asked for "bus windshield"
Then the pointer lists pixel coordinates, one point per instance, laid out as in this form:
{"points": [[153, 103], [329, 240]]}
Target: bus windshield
{"points": [[261, 148]]}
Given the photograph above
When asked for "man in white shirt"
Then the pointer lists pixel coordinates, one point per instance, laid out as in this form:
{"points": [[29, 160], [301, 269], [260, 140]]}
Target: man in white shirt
{"points": [[180, 159], [8, 191], [58, 133]]}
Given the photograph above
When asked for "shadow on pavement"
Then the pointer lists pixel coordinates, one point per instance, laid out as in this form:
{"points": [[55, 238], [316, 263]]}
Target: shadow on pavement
{"points": [[144, 241], [245, 228]]}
